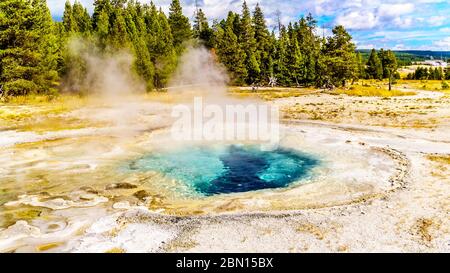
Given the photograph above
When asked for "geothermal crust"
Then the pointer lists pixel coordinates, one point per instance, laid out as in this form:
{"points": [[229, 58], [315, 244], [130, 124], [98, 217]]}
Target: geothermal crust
{"points": [[376, 190]]}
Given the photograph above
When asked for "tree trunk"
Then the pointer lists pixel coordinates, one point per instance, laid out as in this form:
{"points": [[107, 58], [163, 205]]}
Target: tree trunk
{"points": [[390, 81]]}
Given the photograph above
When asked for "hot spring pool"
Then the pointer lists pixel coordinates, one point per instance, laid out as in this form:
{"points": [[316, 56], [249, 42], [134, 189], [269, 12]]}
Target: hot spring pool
{"points": [[212, 170]]}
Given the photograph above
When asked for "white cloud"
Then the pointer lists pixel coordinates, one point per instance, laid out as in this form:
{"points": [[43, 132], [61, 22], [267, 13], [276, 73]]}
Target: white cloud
{"points": [[444, 44], [393, 10], [360, 45], [437, 20], [403, 22], [372, 14], [357, 20]]}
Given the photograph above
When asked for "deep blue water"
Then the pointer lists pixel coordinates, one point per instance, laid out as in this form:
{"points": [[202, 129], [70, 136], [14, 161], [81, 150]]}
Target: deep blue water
{"points": [[227, 169]]}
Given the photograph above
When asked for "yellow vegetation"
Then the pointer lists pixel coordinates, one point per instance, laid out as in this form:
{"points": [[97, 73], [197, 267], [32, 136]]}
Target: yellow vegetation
{"points": [[24, 107], [444, 159], [47, 246], [47, 99], [116, 250], [430, 85], [371, 91], [268, 94], [424, 228], [312, 229]]}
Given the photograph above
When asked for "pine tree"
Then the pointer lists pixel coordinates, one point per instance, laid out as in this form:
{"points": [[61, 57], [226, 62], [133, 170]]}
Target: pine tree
{"points": [[309, 47], [161, 45], [100, 21], [248, 41], [272, 55], [28, 47], [374, 66], [82, 18], [361, 66], [235, 20], [230, 53], [135, 25], [179, 24], [202, 31], [262, 40], [68, 63], [68, 21], [118, 34], [382, 55], [390, 65], [294, 62], [341, 60], [281, 58]]}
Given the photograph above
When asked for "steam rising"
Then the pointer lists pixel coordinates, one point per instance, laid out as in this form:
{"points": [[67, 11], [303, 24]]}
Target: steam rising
{"points": [[108, 75], [199, 72]]}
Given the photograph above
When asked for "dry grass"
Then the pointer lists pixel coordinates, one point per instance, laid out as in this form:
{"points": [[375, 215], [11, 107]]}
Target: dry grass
{"points": [[370, 91], [424, 227], [311, 229], [19, 113], [163, 97], [46, 247], [269, 94], [440, 167], [115, 250], [68, 100], [25, 107], [58, 123], [430, 85], [443, 159]]}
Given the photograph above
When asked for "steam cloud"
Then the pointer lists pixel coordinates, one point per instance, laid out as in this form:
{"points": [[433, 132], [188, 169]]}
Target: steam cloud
{"points": [[94, 72], [199, 72]]}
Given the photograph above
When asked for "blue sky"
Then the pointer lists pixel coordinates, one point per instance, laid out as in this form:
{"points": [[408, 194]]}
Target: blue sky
{"points": [[395, 24]]}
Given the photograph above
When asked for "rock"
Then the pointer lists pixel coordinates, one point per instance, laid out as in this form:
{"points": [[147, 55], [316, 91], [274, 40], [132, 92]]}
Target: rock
{"points": [[89, 190], [122, 205], [20, 228], [121, 186], [58, 203], [10, 237], [88, 196], [141, 195]]}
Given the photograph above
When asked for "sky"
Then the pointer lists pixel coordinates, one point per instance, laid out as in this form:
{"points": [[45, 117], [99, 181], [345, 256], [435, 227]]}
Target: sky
{"points": [[393, 24]]}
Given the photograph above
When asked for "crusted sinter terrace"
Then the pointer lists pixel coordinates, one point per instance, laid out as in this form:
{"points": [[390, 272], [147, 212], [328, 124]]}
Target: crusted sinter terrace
{"points": [[77, 180], [132, 126]]}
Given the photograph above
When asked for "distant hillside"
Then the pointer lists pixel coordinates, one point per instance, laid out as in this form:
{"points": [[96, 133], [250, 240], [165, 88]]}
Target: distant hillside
{"points": [[427, 54], [406, 57]]}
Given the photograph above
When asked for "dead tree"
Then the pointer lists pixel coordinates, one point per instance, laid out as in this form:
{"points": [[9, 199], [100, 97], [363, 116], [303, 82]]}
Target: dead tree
{"points": [[272, 81]]}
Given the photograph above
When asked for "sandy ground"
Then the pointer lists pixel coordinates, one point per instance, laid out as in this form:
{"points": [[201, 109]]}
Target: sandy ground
{"points": [[383, 186]]}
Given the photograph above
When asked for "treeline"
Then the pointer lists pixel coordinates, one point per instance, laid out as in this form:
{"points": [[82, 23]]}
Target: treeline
{"points": [[381, 65], [403, 58], [296, 56], [154, 39], [36, 56], [29, 48], [424, 73]]}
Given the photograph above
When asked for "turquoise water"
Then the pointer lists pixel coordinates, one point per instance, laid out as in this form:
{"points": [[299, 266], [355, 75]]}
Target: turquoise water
{"points": [[227, 169]]}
